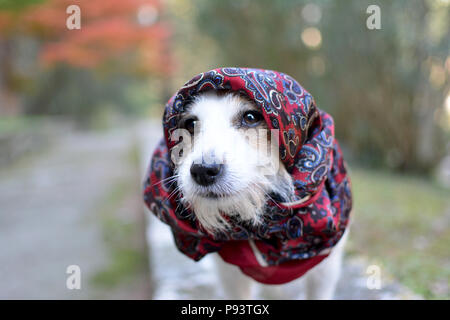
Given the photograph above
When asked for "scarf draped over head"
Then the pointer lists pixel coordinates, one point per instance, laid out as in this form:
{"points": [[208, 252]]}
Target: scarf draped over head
{"points": [[293, 237]]}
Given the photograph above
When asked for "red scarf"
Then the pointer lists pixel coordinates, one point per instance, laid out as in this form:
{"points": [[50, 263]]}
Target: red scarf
{"points": [[293, 237]]}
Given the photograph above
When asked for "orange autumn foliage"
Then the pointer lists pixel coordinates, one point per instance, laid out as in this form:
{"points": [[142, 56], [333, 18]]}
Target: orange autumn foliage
{"points": [[110, 32]]}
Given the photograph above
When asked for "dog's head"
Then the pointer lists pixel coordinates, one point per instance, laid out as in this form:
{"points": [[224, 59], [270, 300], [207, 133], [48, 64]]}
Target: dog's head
{"points": [[230, 161]]}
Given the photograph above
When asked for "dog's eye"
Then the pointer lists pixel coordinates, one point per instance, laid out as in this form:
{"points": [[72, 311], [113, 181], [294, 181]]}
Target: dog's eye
{"points": [[189, 124], [251, 118]]}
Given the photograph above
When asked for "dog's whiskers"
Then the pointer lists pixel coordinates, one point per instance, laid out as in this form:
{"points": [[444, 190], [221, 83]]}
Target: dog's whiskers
{"points": [[174, 192], [170, 179], [268, 196]]}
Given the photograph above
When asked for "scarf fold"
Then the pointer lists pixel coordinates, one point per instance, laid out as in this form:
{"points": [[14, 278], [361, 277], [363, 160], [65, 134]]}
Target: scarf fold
{"points": [[294, 236]]}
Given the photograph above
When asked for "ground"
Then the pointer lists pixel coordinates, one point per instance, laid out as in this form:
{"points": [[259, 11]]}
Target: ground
{"points": [[403, 223], [78, 201]]}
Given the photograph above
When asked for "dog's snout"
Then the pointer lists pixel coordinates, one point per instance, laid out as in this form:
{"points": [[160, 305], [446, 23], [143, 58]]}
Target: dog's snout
{"points": [[206, 174]]}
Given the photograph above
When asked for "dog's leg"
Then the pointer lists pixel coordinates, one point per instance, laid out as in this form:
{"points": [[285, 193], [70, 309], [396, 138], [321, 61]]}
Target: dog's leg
{"points": [[235, 284], [321, 281]]}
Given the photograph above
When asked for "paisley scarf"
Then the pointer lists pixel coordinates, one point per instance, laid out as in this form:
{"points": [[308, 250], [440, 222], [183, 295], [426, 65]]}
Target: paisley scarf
{"points": [[293, 237]]}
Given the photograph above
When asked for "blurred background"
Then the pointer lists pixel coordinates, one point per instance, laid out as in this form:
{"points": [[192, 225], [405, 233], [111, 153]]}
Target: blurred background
{"points": [[80, 112]]}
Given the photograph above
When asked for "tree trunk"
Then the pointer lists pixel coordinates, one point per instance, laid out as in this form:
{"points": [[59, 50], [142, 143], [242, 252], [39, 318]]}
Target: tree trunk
{"points": [[9, 100]]}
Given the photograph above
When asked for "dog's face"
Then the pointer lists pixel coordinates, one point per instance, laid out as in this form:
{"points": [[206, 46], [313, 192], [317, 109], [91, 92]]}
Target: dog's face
{"points": [[232, 165]]}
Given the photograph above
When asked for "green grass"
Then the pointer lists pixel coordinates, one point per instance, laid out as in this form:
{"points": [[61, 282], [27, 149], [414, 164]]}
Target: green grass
{"points": [[403, 222], [128, 259], [12, 125]]}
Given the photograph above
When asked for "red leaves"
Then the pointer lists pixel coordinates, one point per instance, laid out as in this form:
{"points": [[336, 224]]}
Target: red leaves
{"points": [[110, 30]]}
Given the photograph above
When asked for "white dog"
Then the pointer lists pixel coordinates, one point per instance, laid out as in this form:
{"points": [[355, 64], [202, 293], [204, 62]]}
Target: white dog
{"points": [[238, 180]]}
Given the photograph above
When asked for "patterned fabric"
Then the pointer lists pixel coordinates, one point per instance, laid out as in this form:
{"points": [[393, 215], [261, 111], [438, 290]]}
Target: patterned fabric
{"points": [[291, 237]]}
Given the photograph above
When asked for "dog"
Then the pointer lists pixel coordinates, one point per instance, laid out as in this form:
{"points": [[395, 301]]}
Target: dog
{"points": [[237, 184], [232, 188]]}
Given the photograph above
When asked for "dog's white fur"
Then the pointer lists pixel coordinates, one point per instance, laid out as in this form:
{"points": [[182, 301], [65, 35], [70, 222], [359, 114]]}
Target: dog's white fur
{"points": [[249, 177], [249, 174]]}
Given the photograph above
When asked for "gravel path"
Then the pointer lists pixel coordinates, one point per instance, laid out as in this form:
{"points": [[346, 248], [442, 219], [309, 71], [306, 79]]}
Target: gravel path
{"points": [[48, 217]]}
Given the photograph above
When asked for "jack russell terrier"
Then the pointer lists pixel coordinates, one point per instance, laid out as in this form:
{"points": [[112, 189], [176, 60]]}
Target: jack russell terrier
{"points": [[249, 168]]}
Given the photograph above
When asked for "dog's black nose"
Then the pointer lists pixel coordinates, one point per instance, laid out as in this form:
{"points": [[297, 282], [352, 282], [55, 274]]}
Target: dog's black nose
{"points": [[205, 174]]}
